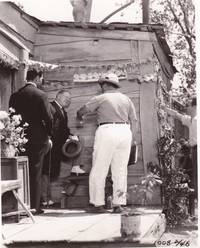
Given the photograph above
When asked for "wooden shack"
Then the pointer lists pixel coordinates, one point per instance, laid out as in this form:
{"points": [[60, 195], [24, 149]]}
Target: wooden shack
{"points": [[84, 52], [137, 53]]}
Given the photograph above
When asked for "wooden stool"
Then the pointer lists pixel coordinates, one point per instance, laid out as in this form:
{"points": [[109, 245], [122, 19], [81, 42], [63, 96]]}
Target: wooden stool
{"points": [[73, 195], [13, 185]]}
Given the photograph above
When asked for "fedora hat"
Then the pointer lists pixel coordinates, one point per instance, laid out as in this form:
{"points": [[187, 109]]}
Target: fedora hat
{"points": [[72, 148], [111, 78]]}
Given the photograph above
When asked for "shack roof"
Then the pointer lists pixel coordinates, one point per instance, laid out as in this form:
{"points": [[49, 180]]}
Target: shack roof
{"points": [[156, 28]]}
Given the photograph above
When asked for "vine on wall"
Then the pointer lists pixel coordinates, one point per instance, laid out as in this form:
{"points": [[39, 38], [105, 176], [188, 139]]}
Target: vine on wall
{"points": [[175, 189]]}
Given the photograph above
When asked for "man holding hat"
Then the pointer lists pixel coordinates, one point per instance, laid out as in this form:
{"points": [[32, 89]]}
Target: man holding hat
{"points": [[116, 118], [61, 136]]}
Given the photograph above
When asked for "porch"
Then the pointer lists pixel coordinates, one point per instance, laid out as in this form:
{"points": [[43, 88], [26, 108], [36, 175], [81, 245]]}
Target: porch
{"points": [[79, 228]]}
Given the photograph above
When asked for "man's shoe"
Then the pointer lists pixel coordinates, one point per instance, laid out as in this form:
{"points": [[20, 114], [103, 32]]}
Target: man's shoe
{"points": [[77, 170], [98, 209], [38, 212], [45, 203], [118, 210]]}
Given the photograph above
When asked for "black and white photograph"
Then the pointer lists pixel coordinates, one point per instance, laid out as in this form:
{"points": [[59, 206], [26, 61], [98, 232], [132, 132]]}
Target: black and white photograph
{"points": [[98, 123]]}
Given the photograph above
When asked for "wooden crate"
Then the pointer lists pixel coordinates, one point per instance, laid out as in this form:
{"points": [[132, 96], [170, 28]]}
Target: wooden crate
{"points": [[15, 168]]}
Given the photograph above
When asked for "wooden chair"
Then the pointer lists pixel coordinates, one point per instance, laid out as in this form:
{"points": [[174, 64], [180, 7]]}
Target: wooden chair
{"points": [[13, 185]]}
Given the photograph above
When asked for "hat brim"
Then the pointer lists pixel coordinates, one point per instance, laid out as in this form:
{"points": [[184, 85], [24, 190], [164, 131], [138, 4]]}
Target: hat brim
{"points": [[72, 154], [104, 80]]}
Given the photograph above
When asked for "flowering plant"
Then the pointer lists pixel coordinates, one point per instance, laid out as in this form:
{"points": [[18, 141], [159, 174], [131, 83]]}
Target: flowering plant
{"points": [[12, 131]]}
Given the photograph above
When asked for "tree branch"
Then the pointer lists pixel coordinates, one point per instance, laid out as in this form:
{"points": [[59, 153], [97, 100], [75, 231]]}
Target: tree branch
{"points": [[117, 10], [185, 18], [182, 28], [176, 17]]}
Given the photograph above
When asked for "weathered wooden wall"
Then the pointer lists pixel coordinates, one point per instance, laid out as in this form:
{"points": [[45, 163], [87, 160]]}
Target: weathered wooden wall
{"points": [[18, 23], [17, 35], [80, 95], [85, 49], [6, 84]]}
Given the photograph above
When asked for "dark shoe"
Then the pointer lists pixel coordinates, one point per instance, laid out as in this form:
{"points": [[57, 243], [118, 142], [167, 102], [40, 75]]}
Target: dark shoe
{"points": [[38, 212], [118, 210], [99, 209]]}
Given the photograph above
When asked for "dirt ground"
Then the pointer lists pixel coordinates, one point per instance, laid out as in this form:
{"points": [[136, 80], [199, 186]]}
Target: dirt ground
{"points": [[185, 235]]}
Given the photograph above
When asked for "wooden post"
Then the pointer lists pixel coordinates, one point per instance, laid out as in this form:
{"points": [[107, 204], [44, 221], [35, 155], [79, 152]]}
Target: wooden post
{"points": [[145, 11], [21, 75]]}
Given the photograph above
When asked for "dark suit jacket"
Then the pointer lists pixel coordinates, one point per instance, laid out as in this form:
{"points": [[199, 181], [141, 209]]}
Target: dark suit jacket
{"points": [[34, 107], [60, 133], [60, 130]]}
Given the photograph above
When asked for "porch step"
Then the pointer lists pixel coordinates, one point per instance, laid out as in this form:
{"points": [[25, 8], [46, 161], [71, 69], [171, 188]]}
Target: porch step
{"points": [[81, 229]]}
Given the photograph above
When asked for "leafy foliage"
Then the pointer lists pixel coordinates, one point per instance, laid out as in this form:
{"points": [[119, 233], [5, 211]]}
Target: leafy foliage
{"points": [[175, 187], [178, 18]]}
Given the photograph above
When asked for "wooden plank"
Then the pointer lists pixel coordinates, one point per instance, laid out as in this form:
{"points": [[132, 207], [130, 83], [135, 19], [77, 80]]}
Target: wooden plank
{"points": [[9, 47], [85, 88], [63, 244], [94, 33], [146, 51], [61, 227], [107, 228], [25, 31], [149, 122], [164, 63], [80, 201], [82, 51]]}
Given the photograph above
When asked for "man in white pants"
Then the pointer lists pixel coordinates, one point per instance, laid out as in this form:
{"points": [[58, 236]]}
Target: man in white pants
{"points": [[116, 118]]}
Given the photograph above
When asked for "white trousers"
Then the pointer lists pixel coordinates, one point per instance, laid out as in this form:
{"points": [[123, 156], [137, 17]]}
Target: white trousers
{"points": [[112, 146]]}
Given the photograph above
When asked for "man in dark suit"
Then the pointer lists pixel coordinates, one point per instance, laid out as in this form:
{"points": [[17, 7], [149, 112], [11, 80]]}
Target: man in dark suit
{"points": [[33, 105], [60, 133], [60, 130]]}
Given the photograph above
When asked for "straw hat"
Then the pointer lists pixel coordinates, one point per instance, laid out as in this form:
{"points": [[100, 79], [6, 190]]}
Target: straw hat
{"points": [[72, 148], [111, 78]]}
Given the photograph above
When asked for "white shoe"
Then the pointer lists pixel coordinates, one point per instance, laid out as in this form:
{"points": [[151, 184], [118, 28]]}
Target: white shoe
{"points": [[45, 203], [76, 169], [51, 202]]}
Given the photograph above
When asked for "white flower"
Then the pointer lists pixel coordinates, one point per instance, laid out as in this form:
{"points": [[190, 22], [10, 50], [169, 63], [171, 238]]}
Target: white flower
{"points": [[11, 110], [11, 131], [17, 119]]}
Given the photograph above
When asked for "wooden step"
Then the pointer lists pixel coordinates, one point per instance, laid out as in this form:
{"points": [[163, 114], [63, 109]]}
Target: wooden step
{"points": [[143, 227], [57, 228]]}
